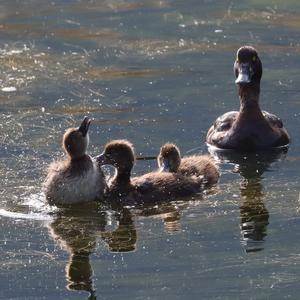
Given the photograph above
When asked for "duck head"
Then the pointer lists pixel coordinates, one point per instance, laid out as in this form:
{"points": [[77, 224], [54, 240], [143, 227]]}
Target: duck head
{"points": [[247, 66], [76, 140], [169, 158], [119, 154]]}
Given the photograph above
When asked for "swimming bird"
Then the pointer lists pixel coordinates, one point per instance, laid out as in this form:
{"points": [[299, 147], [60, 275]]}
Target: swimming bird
{"points": [[153, 186], [78, 178], [169, 160], [248, 129]]}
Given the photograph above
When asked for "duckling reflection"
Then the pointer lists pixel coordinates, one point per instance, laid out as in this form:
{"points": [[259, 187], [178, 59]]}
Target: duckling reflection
{"points": [[254, 216], [76, 230], [124, 238], [169, 213]]}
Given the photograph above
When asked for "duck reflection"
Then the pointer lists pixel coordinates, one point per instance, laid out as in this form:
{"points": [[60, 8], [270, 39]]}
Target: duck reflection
{"points": [[79, 228], [254, 216]]}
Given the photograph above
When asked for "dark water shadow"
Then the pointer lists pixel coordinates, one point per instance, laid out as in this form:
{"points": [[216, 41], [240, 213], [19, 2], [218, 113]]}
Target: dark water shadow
{"points": [[254, 216], [79, 229]]}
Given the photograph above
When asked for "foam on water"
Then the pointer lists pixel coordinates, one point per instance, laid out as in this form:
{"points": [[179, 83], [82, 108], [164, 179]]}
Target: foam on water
{"points": [[30, 215], [38, 209]]}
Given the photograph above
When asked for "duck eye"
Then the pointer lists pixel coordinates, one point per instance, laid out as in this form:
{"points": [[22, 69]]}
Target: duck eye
{"points": [[254, 58], [107, 155]]}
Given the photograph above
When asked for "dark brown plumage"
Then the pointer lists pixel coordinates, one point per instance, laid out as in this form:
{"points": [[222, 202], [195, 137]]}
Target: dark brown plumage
{"points": [[154, 186], [169, 160], [249, 129]]}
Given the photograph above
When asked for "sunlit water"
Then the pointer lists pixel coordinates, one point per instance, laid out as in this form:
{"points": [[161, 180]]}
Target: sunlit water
{"points": [[151, 72]]}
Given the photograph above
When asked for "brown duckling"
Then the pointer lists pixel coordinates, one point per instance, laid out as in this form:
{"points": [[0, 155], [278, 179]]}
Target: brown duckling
{"points": [[250, 128], [154, 186], [78, 178], [169, 160]]}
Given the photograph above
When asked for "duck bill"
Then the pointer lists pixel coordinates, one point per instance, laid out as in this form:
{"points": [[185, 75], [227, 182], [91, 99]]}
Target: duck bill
{"points": [[101, 159], [244, 75], [84, 127], [165, 165]]}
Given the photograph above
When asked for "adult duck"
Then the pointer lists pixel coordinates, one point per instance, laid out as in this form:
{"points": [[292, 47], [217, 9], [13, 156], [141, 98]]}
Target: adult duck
{"points": [[248, 129]]}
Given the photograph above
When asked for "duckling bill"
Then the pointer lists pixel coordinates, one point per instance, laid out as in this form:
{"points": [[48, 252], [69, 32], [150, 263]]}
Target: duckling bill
{"points": [[78, 178], [250, 128]]}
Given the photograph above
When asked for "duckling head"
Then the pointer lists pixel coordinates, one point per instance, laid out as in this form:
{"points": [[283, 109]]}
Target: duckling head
{"points": [[247, 66], [169, 158], [119, 154], [76, 140]]}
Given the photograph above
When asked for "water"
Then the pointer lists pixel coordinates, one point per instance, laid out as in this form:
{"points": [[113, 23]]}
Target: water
{"points": [[151, 72]]}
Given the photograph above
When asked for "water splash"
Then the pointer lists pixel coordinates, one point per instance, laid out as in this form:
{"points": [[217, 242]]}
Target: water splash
{"points": [[32, 208], [30, 216]]}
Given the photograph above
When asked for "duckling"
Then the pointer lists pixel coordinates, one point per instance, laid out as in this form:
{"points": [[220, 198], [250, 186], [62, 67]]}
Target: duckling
{"points": [[152, 186], [248, 129], [169, 160], [78, 178]]}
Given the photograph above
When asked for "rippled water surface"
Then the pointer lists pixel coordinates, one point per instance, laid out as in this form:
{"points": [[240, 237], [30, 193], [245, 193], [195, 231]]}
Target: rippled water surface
{"points": [[151, 72]]}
